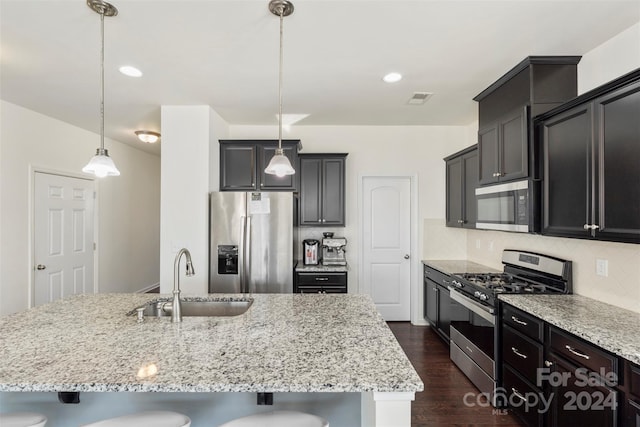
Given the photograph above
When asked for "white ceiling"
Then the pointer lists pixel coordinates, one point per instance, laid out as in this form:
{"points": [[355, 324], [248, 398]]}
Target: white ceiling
{"points": [[225, 54]]}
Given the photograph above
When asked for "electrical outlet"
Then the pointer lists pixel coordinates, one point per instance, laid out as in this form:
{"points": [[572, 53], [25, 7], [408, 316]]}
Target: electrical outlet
{"points": [[602, 267], [477, 243], [491, 245]]}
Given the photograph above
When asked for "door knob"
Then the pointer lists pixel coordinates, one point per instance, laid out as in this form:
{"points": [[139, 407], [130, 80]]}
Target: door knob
{"points": [[40, 267], [406, 256]]}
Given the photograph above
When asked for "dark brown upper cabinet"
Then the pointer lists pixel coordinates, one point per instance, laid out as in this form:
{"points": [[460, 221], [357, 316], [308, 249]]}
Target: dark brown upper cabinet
{"points": [[534, 86], [242, 164], [462, 180], [591, 164], [322, 190]]}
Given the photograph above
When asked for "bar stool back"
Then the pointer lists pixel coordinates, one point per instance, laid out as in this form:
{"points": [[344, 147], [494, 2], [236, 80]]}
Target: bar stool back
{"points": [[22, 419], [145, 419], [278, 419]]}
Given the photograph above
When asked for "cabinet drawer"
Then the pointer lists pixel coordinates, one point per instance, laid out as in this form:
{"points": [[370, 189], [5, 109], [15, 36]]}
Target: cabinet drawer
{"points": [[581, 352], [518, 391], [330, 289], [633, 379], [632, 413], [523, 322], [436, 276], [522, 353], [322, 279]]}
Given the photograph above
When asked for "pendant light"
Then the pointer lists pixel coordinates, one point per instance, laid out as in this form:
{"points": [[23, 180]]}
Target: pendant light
{"points": [[280, 164], [101, 164]]}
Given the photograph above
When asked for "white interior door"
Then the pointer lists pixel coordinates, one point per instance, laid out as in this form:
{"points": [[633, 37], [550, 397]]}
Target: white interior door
{"points": [[63, 236], [386, 231]]}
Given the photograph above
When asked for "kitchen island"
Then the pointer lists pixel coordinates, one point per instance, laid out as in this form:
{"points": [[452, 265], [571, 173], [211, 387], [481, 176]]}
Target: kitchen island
{"points": [[284, 343]]}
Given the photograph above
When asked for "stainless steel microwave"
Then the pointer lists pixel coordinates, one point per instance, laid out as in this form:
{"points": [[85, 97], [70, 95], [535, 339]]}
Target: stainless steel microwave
{"points": [[513, 206]]}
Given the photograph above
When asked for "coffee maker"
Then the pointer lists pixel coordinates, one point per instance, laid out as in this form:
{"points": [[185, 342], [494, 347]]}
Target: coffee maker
{"points": [[333, 251]]}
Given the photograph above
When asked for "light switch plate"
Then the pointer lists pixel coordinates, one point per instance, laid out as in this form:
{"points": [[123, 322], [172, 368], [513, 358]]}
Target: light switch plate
{"points": [[602, 267]]}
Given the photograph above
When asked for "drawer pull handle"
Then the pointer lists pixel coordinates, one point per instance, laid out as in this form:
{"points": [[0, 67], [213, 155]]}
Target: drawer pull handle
{"points": [[470, 350], [518, 321], [577, 353], [518, 395], [517, 353], [322, 279]]}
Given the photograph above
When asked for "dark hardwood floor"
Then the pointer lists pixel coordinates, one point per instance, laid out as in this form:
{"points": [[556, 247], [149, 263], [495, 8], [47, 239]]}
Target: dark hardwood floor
{"points": [[442, 401]]}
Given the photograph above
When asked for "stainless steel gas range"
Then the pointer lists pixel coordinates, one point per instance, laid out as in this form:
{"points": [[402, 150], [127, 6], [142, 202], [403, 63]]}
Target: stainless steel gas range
{"points": [[475, 346]]}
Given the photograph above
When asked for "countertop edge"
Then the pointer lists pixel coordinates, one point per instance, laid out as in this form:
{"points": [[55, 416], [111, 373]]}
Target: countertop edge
{"points": [[612, 340]]}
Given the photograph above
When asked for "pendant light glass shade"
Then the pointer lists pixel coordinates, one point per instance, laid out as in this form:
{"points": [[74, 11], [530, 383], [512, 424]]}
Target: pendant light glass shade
{"points": [[101, 165], [280, 164]]}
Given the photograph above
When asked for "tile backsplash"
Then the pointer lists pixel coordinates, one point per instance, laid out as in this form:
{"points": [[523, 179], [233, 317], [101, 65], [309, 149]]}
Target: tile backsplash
{"points": [[621, 286]]}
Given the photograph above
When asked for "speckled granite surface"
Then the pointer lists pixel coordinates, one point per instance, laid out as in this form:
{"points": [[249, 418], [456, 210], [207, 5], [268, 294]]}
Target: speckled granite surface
{"points": [[612, 328], [301, 268], [283, 343], [458, 266]]}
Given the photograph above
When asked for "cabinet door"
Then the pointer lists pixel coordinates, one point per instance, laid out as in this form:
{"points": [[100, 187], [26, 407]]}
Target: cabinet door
{"points": [[454, 193], [577, 405], [514, 147], [307, 289], [310, 191], [238, 167], [470, 169], [273, 182], [567, 173], [444, 312], [333, 191], [618, 165], [431, 302], [488, 161]]}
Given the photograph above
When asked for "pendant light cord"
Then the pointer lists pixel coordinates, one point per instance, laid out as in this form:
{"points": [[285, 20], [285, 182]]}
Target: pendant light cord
{"points": [[102, 84], [280, 83]]}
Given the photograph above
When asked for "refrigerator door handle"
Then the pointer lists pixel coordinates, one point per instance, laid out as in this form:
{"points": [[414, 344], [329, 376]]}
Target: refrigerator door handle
{"points": [[242, 250], [247, 260]]}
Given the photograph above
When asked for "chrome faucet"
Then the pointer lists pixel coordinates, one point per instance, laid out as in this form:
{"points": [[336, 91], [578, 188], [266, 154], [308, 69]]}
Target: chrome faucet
{"points": [[176, 306]]}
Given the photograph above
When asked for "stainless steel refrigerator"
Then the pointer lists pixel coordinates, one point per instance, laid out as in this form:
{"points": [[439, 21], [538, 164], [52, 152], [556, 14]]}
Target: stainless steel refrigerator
{"points": [[251, 242]]}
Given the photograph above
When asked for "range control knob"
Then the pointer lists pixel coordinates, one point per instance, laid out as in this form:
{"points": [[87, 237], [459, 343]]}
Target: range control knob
{"points": [[456, 284], [483, 297], [476, 294]]}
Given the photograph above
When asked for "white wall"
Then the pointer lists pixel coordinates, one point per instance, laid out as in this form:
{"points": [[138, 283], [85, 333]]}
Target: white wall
{"points": [[188, 137], [615, 57], [383, 150], [128, 205]]}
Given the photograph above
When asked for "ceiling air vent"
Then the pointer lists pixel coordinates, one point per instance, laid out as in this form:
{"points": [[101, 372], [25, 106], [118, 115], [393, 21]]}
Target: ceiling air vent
{"points": [[420, 98]]}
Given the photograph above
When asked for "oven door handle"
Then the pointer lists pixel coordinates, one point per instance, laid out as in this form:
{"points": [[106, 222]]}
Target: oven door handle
{"points": [[487, 313]]}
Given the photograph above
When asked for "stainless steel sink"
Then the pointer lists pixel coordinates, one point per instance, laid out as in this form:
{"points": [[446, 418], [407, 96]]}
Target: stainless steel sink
{"points": [[197, 308]]}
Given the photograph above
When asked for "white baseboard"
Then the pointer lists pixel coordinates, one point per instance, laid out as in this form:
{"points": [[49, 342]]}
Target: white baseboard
{"points": [[148, 288]]}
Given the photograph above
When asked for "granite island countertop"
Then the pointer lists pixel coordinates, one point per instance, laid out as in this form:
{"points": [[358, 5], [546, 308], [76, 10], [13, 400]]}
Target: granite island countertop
{"points": [[283, 343], [448, 266], [612, 328]]}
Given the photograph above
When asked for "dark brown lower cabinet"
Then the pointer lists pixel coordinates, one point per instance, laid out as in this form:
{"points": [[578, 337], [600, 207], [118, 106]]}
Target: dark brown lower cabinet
{"points": [[320, 283], [632, 395], [552, 378], [575, 402]]}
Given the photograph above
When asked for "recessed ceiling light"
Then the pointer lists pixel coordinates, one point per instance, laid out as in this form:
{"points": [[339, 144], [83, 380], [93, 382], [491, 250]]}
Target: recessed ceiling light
{"points": [[392, 77], [147, 136], [130, 71]]}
